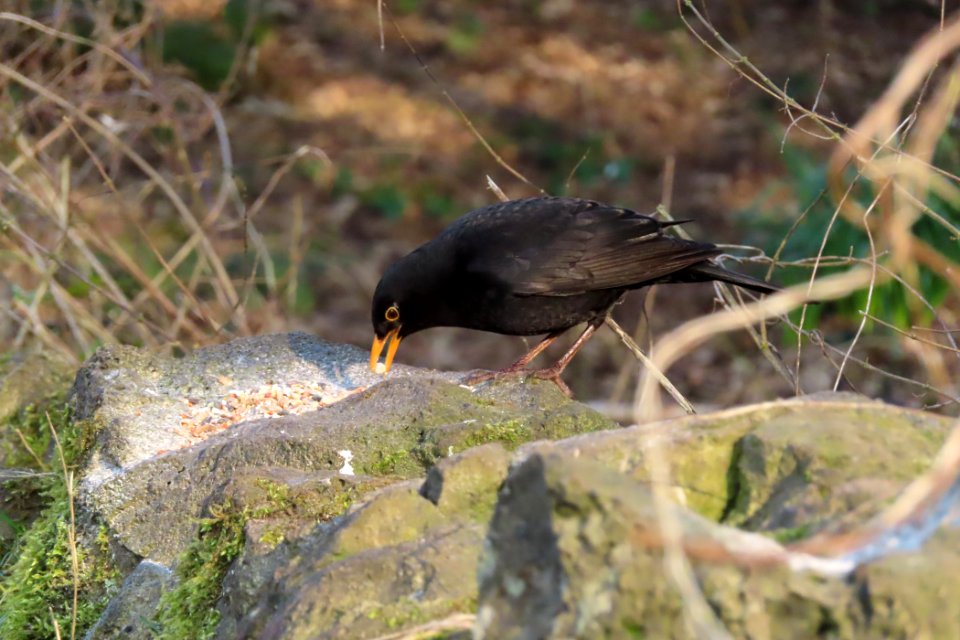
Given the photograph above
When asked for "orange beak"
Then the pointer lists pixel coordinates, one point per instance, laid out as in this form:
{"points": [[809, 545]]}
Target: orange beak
{"points": [[377, 348]]}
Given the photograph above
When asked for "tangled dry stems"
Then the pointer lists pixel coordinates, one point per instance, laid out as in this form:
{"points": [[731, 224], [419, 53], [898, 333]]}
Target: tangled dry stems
{"points": [[86, 125], [71, 145]]}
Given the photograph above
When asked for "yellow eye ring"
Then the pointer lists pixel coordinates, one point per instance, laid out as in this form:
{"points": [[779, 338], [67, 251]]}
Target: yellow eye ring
{"points": [[393, 314]]}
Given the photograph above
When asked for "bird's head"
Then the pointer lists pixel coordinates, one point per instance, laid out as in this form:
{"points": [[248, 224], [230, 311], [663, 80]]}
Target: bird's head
{"points": [[395, 312], [409, 298], [387, 328]]}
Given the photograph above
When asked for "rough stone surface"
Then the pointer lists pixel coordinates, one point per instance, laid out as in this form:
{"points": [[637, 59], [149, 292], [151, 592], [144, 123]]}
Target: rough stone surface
{"points": [[395, 559], [139, 397], [415, 499], [805, 463], [129, 612], [397, 427], [574, 549]]}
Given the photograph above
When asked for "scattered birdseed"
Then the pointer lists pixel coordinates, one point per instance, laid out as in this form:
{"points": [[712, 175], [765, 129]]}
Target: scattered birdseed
{"points": [[268, 401]]}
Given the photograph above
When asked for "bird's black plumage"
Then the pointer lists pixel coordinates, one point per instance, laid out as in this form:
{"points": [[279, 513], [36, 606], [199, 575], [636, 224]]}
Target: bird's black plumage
{"points": [[536, 266]]}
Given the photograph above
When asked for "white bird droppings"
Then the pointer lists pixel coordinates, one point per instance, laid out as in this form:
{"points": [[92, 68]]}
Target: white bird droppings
{"points": [[347, 468]]}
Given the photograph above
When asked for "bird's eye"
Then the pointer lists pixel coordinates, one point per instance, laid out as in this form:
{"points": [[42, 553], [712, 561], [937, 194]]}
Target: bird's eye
{"points": [[393, 314]]}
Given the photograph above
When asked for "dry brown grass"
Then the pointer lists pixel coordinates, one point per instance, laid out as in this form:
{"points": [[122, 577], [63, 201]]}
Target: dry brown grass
{"points": [[126, 220], [896, 156], [122, 204], [121, 208]]}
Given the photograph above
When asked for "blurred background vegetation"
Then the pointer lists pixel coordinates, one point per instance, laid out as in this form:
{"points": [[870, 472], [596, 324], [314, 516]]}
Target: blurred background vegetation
{"points": [[179, 173]]}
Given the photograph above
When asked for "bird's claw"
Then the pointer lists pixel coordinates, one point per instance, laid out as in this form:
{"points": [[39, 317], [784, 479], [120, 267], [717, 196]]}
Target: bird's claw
{"points": [[553, 376]]}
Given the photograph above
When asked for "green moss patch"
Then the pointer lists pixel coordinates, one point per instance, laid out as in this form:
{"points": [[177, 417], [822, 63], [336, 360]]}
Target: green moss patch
{"points": [[36, 574], [510, 433], [41, 579], [189, 610]]}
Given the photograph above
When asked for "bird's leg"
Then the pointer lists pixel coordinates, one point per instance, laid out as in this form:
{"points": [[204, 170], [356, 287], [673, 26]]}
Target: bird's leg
{"points": [[550, 373], [533, 353], [553, 373], [517, 366]]}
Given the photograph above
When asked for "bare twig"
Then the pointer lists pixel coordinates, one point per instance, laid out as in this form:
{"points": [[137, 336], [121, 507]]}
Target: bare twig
{"points": [[678, 342], [497, 191], [434, 628], [648, 365], [870, 289]]}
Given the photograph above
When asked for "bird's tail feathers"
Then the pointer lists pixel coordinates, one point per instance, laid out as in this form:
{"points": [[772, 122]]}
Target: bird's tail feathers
{"points": [[710, 271]]}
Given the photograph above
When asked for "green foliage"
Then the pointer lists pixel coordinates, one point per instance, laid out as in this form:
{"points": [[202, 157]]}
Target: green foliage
{"points": [[188, 611], [273, 537], [31, 423], [238, 14], [37, 574], [342, 182], [406, 7], [388, 463], [32, 450], [579, 160], [388, 199], [278, 498], [634, 630], [201, 48], [806, 179], [439, 205], [795, 534], [399, 614], [41, 579], [652, 21], [466, 35], [209, 49]]}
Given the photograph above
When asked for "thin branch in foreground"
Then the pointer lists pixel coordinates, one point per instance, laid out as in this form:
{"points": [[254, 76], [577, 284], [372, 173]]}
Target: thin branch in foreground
{"points": [[870, 289], [649, 366], [758, 339], [681, 340], [435, 628]]}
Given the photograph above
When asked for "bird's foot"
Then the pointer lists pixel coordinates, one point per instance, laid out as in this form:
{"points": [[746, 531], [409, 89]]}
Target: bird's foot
{"points": [[553, 375], [550, 373]]}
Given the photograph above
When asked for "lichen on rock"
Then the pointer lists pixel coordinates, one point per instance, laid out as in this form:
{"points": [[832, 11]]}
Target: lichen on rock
{"points": [[360, 506]]}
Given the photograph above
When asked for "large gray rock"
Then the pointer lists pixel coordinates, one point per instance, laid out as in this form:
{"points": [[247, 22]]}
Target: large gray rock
{"points": [[407, 555], [146, 468], [372, 506], [779, 466], [575, 548]]}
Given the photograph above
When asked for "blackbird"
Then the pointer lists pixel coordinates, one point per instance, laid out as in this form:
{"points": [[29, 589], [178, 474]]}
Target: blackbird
{"points": [[535, 266]]}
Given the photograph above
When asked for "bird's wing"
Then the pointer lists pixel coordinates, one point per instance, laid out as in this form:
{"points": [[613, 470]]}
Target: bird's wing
{"points": [[567, 246]]}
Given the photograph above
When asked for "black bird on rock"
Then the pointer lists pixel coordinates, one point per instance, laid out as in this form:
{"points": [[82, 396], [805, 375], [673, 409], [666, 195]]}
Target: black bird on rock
{"points": [[536, 266]]}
